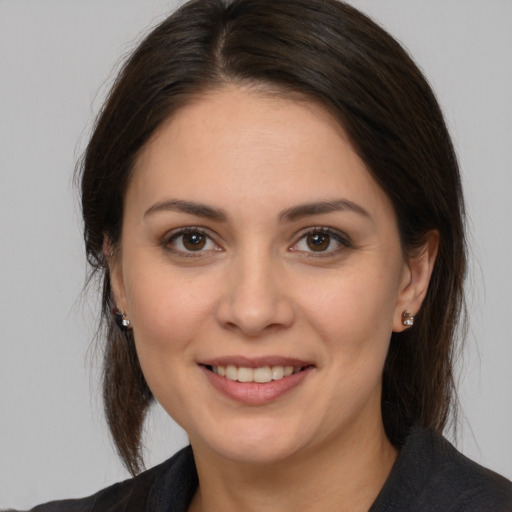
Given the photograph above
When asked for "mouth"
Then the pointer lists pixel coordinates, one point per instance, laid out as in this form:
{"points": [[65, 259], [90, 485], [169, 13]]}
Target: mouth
{"points": [[258, 381], [260, 375]]}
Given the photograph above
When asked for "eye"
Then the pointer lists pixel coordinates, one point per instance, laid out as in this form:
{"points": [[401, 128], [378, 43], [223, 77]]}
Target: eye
{"points": [[318, 241], [190, 240], [324, 241]]}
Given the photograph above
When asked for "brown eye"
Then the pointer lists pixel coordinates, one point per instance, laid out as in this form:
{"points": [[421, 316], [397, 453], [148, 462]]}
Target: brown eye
{"points": [[322, 242], [190, 240], [318, 241], [194, 241]]}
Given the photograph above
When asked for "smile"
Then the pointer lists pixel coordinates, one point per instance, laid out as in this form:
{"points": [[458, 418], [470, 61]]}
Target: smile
{"points": [[260, 375]]}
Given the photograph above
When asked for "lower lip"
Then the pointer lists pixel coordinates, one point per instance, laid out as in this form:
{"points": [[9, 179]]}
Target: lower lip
{"points": [[254, 393]]}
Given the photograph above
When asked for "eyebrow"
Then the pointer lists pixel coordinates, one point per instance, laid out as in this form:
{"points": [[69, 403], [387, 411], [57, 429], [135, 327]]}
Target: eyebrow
{"points": [[289, 215], [197, 209], [318, 208]]}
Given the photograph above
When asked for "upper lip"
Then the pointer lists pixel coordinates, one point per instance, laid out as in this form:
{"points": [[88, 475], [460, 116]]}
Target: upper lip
{"points": [[256, 362]]}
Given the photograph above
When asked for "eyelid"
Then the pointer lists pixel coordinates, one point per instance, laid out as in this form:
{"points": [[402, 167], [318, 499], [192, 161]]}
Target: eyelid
{"points": [[339, 236], [176, 233]]}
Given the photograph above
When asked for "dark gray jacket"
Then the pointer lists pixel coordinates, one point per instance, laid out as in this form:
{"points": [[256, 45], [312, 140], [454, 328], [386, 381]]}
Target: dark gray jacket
{"points": [[429, 475]]}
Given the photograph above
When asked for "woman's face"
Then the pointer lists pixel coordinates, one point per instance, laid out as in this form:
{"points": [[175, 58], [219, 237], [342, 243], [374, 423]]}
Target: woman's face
{"points": [[255, 244]]}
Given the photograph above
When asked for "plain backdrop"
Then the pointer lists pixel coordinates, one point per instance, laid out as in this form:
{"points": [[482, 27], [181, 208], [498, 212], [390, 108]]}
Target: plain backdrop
{"points": [[57, 59]]}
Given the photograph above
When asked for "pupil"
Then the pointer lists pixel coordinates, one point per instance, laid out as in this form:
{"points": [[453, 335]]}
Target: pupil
{"points": [[194, 241], [318, 241]]}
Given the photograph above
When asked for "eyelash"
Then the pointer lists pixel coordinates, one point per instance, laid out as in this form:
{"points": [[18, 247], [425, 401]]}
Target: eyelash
{"points": [[341, 239], [334, 235], [175, 235]]}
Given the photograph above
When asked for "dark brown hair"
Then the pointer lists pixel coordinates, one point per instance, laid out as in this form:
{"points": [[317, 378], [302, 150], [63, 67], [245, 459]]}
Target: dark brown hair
{"points": [[331, 54]]}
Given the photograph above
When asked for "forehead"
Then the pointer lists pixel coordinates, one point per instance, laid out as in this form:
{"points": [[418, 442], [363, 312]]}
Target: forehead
{"points": [[226, 116], [250, 144]]}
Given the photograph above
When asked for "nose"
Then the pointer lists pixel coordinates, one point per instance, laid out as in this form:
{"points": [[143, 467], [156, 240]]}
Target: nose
{"points": [[255, 299]]}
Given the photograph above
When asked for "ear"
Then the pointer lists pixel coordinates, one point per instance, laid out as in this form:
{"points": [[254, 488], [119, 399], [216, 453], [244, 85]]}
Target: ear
{"points": [[113, 259], [416, 278]]}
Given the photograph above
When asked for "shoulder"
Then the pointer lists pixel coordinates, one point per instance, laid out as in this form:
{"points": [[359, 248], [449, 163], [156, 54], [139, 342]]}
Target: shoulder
{"points": [[430, 474], [457, 480], [132, 495]]}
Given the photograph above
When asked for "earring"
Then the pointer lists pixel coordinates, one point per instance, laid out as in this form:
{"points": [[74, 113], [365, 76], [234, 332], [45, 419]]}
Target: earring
{"points": [[121, 320], [407, 319]]}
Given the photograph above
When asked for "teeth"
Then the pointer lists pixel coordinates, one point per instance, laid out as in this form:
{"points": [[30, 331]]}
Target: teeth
{"points": [[277, 372], [262, 375], [288, 370], [245, 374], [231, 372]]}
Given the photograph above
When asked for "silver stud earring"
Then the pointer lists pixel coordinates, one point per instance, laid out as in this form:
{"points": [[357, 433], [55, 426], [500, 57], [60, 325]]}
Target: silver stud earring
{"points": [[121, 320], [407, 319]]}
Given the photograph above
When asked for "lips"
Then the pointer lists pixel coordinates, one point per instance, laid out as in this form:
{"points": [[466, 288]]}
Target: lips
{"points": [[256, 381]]}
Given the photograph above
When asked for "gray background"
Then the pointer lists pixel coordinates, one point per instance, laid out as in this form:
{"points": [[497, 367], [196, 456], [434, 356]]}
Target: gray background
{"points": [[57, 59]]}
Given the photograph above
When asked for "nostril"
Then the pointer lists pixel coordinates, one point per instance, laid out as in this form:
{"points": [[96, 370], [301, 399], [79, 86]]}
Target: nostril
{"points": [[255, 311]]}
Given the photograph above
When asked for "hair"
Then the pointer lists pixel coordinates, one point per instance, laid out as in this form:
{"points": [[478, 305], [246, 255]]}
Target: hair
{"points": [[333, 55]]}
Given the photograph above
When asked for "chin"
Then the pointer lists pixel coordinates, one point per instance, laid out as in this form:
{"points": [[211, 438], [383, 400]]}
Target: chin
{"points": [[257, 445], [258, 454]]}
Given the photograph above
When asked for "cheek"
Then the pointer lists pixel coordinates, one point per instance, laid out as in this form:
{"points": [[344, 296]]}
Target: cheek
{"points": [[168, 313], [167, 310], [353, 314]]}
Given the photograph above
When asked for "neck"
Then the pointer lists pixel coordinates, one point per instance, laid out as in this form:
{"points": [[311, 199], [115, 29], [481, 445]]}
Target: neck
{"points": [[337, 475]]}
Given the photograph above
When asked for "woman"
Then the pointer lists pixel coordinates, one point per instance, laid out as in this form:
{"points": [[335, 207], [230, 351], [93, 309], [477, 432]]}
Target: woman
{"points": [[273, 202]]}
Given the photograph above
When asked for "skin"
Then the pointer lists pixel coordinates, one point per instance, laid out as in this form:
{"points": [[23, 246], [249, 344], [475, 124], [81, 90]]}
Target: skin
{"points": [[259, 287]]}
